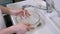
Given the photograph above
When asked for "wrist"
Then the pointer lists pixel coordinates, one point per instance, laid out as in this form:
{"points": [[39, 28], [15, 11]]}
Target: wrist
{"points": [[12, 29]]}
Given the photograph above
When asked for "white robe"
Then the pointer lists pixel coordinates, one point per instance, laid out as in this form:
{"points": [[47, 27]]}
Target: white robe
{"points": [[2, 22]]}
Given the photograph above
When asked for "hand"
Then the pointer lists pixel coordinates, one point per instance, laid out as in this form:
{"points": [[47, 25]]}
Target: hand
{"points": [[21, 28], [23, 13], [20, 12]]}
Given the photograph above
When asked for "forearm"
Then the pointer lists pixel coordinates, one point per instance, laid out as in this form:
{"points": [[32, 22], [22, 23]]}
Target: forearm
{"points": [[9, 30], [5, 10]]}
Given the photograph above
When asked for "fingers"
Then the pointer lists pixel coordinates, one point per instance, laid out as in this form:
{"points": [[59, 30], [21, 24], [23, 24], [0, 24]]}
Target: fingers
{"points": [[27, 23], [28, 26], [23, 13], [27, 13]]}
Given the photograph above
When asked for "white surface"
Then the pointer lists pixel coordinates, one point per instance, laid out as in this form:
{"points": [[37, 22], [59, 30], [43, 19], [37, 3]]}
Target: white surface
{"points": [[39, 2], [2, 22], [48, 27], [54, 15], [57, 4], [56, 19]]}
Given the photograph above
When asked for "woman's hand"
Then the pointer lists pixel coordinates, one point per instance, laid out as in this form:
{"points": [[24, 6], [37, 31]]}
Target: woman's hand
{"points": [[21, 28], [19, 12]]}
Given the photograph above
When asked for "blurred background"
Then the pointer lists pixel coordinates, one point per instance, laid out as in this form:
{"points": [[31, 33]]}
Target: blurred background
{"points": [[4, 2]]}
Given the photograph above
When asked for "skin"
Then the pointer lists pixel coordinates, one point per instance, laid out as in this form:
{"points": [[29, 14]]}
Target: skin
{"points": [[19, 12], [4, 9], [20, 28]]}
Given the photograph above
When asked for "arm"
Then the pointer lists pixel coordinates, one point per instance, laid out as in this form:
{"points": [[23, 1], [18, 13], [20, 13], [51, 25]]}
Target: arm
{"points": [[5, 10], [9, 30], [10, 11], [19, 28]]}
